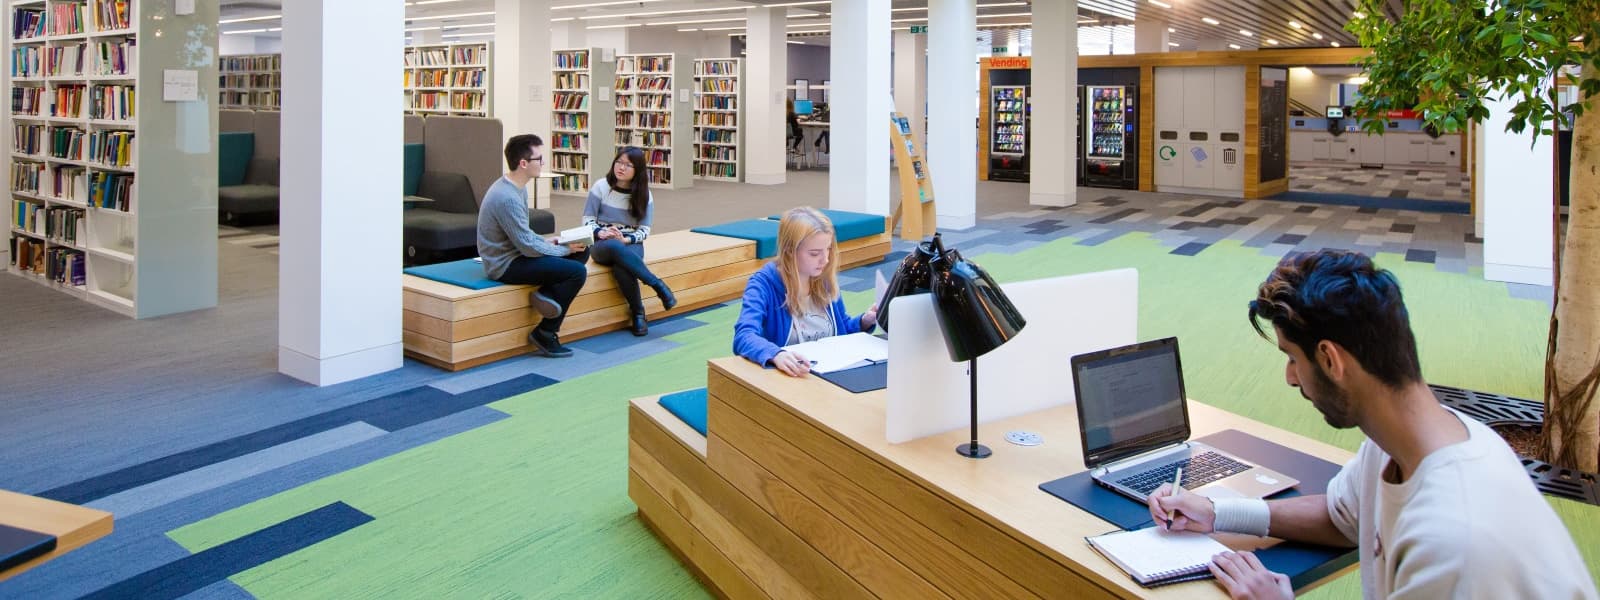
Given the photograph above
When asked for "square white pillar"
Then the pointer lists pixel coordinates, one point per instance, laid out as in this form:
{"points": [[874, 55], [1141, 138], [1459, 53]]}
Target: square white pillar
{"points": [[522, 75], [911, 80], [1517, 187], [858, 161], [1052, 144], [339, 265], [1150, 33], [952, 111], [766, 71]]}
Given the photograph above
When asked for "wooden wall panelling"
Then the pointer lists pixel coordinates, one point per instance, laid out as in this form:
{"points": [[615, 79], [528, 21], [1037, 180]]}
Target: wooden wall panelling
{"points": [[983, 119], [1252, 131], [1147, 128], [693, 548]]}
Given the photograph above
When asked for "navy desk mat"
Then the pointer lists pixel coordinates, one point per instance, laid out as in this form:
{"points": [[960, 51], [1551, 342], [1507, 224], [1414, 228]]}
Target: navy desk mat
{"points": [[860, 379], [1303, 563]]}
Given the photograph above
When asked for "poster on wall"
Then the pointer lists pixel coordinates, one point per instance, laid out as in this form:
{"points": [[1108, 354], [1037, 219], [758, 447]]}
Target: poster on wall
{"points": [[1274, 134]]}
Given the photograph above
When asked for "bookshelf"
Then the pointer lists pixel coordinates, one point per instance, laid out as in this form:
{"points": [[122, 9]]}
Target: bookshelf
{"points": [[581, 139], [448, 79], [87, 217], [718, 138], [252, 81], [916, 207], [647, 116]]}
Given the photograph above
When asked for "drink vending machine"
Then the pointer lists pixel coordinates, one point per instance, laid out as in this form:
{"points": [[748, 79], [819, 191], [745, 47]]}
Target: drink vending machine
{"points": [[1109, 142], [1008, 134]]}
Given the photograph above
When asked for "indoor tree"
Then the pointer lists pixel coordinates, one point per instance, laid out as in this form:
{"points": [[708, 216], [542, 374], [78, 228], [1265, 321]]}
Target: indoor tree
{"points": [[1444, 58]]}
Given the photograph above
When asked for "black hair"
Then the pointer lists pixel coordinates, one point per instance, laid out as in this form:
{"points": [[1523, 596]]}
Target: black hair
{"points": [[520, 148], [639, 188], [1342, 297]]}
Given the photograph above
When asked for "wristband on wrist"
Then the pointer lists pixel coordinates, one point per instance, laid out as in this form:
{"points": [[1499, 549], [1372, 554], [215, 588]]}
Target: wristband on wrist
{"points": [[1242, 515]]}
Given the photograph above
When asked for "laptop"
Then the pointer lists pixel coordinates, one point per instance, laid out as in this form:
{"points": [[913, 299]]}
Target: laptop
{"points": [[1133, 419], [18, 546]]}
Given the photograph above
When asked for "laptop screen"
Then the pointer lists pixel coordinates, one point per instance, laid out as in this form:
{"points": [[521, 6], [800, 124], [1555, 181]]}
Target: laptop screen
{"points": [[1130, 400]]}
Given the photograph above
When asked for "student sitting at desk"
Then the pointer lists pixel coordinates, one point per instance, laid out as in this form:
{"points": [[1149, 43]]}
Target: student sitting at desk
{"points": [[795, 298], [1437, 503]]}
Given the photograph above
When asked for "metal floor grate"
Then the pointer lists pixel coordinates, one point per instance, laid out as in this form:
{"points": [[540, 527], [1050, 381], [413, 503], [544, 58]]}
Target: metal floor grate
{"points": [[1495, 409]]}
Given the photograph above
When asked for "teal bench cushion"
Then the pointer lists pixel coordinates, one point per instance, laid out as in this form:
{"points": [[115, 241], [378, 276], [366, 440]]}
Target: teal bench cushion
{"points": [[466, 273], [764, 232], [849, 225], [688, 405], [413, 170], [234, 151]]}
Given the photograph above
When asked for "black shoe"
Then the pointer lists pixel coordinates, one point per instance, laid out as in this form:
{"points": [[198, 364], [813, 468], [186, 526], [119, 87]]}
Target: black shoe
{"points": [[546, 307], [665, 294], [640, 327], [547, 344]]}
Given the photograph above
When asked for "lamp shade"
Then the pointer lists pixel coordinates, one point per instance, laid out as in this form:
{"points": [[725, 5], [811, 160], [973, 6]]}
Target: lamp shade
{"points": [[914, 276], [974, 313]]}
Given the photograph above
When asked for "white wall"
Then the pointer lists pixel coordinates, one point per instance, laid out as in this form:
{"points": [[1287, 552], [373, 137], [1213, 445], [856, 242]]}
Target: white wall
{"points": [[232, 45], [1516, 188]]}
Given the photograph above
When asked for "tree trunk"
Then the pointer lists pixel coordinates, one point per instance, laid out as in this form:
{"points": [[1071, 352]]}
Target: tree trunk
{"points": [[1572, 418]]}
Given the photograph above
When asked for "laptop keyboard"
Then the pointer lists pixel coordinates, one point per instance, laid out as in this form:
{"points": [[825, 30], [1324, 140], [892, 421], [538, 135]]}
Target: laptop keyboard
{"points": [[1198, 470]]}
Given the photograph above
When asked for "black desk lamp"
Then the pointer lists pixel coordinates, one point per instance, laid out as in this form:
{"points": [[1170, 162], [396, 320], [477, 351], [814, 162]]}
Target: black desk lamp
{"points": [[974, 314]]}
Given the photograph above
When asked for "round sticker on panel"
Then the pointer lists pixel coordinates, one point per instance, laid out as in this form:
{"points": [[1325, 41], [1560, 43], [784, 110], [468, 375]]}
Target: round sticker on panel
{"points": [[1024, 438], [1166, 152]]}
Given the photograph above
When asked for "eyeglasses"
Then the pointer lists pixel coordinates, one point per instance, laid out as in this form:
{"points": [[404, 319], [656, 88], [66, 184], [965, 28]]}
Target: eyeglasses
{"points": [[535, 159]]}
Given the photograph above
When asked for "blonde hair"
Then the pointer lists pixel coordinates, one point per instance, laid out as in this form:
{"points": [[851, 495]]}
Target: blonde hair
{"points": [[797, 225]]}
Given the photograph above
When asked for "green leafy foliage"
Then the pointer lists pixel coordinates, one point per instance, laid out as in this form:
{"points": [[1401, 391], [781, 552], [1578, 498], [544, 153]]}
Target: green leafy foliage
{"points": [[1444, 58]]}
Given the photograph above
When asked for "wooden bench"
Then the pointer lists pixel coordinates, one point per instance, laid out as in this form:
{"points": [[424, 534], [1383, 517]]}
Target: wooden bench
{"points": [[456, 328]]}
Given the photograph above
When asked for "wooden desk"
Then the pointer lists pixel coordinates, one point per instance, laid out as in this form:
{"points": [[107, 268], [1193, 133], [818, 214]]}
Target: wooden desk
{"points": [[72, 525], [799, 496]]}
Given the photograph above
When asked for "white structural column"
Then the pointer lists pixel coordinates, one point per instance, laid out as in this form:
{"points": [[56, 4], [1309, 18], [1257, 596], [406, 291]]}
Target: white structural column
{"points": [[952, 114], [1052, 144], [858, 116], [568, 35], [1515, 188], [522, 74], [766, 69], [911, 80], [427, 36], [339, 264], [1149, 31]]}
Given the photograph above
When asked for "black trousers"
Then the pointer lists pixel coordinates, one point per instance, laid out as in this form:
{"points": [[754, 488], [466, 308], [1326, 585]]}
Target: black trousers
{"points": [[627, 267], [558, 277]]}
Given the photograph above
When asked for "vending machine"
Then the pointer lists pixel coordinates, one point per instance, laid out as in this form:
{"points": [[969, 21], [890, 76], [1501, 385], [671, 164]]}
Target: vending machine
{"points": [[1109, 146], [1008, 134]]}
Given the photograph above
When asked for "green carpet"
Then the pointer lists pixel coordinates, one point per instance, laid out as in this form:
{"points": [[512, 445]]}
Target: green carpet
{"points": [[536, 504]]}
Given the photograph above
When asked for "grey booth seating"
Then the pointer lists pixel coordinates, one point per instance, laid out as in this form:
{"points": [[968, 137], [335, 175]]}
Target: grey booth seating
{"points": [[256, 198], [446, 229]]}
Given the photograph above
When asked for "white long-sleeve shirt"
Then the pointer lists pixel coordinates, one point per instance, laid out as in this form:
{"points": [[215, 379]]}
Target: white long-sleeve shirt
{"points": [[1467, 524]]}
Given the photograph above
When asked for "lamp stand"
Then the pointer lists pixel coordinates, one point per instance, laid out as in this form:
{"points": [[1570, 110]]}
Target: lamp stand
{"points": [[973, 449]]}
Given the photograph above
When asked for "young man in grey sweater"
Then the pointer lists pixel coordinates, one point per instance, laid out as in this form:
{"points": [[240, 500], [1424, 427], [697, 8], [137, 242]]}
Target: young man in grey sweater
{"points": [[513, 253]]}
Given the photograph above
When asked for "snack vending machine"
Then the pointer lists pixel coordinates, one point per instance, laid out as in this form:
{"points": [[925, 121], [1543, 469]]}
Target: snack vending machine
{"points": [[1008, 134], [1109, 143]]}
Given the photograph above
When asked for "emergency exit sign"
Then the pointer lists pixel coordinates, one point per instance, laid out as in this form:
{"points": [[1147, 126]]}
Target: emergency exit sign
{"points": [[919, 29], [998, 49]]}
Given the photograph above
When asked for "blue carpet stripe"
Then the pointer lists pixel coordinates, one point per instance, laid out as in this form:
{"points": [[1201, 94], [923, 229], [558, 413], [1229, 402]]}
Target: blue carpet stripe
{"points": [[390, 413], [187, 575], [140, 542], [1433, 206]]}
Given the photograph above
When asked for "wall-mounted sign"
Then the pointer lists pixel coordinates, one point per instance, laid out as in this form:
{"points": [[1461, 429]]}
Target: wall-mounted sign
{"points": [[919, 29], [1011, 62], [999, 49]]}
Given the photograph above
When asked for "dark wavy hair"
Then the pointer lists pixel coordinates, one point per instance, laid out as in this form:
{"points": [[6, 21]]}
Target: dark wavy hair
{"points": [[639, 193], [1342, 297]]}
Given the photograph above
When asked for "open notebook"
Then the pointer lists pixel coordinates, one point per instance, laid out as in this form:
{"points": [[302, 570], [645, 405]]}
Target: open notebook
{"points": [[1154, 557]]}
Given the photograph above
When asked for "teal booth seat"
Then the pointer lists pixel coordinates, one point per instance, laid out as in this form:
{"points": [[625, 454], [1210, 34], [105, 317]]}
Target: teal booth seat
{"points": [[234, 151], [466, 273], [849, 225], [762, 231], [413, 169], [688, 405]]}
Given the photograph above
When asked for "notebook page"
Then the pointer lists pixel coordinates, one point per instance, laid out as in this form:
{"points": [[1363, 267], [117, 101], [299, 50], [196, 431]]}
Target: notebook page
{"points": [[1147, 552]]}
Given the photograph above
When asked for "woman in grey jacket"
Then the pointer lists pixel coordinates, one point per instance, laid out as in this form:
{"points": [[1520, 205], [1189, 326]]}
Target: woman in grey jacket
{"points": [[620, 209]]}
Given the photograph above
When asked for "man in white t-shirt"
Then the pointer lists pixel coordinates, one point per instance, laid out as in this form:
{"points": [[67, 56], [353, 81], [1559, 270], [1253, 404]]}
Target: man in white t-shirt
{"points": [[1437, 503]]}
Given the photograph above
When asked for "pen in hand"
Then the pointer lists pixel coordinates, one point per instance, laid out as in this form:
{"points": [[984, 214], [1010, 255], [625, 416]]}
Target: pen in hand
{"points": [[1177, 488]]}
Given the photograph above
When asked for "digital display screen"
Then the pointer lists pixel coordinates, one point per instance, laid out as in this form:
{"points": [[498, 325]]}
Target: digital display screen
{"points": [[1128, 398], [1335, 112]]}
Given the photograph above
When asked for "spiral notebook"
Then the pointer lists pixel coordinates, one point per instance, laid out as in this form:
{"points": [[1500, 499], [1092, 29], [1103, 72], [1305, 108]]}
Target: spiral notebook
{"points": [[1154, 557]]}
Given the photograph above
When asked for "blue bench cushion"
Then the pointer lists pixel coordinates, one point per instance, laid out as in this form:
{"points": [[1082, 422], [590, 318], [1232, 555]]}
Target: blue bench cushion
{"points": [[689, 405], [234, 151], [764, 232], [413, 169], [462, 273], [849, 225]]}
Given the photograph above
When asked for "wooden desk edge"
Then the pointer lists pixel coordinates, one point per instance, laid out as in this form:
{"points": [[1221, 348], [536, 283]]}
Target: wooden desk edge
{"points": [[74, 526]]}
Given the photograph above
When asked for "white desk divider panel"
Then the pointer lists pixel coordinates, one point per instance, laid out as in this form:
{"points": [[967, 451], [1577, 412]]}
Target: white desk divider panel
{"points": [[1066, 316]]}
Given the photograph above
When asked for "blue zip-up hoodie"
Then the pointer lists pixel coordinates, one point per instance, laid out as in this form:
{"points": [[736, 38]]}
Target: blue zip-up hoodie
{"points": [[764, 321]]}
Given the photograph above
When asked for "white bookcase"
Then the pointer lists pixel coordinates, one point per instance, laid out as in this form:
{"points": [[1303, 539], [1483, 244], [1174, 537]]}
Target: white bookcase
{"points": [[253, 81], [653, 114], [449, 79], [87, 216], [718, 104], [581, 136]]}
